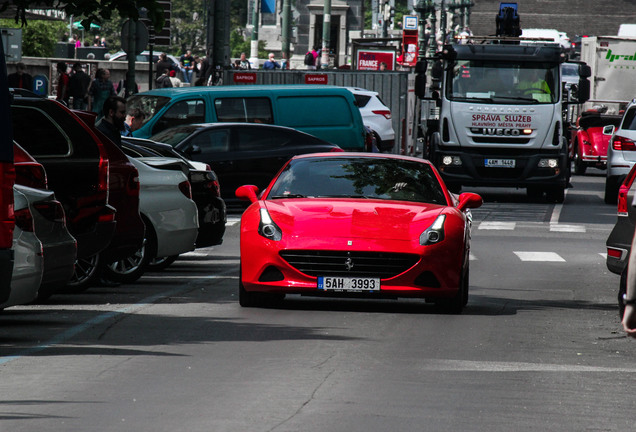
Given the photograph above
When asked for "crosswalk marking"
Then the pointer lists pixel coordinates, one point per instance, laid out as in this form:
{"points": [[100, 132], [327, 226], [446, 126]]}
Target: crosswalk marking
{"points": [[539, 256], [567, 228], [232, 220]]}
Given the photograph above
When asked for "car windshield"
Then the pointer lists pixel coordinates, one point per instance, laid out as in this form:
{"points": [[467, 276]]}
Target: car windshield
{"points": [[174, 135], [359, 177], [504, 83], [149, 104]]}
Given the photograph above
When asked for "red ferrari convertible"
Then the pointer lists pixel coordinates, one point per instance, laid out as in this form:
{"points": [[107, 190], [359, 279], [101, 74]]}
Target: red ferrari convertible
{"points": [[356, 224]]}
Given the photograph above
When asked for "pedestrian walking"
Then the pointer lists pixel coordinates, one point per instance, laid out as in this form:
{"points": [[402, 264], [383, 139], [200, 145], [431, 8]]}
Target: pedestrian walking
{"points": [[63, 78], [78, 86], [101, 89]]}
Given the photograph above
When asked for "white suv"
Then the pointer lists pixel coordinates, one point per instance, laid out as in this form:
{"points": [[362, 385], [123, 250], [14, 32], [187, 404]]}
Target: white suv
{"points": [[376, 116], [621, 152]]}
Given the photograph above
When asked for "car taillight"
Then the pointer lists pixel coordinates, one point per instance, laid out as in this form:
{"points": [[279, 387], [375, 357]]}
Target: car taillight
{"points": [[31, 174], [623, 144], [7, 216], [336, 149], [51, 210], [385, 113], [104, 171], [623, 190], [24, 220], [214, 187], [614, 253], [186, 189]]}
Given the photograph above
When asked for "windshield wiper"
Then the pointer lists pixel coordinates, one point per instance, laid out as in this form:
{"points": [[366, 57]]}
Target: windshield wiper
{"points": [[344, 196], [518, 98]]}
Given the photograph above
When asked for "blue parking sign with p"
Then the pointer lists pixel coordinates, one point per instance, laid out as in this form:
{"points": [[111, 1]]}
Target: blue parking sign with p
{"points": [[41, 85]]}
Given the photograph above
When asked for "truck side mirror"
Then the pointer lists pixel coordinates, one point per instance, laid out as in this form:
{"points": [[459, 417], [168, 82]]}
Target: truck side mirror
{"points": [[583, 93], [585, 71]]}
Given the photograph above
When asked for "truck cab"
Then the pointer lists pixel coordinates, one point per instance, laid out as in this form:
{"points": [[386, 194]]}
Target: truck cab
{"points": [[501, 118]]}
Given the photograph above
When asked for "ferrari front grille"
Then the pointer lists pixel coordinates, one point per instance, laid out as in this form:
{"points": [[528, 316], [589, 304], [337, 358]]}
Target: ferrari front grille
{"points": [[381, 265]]}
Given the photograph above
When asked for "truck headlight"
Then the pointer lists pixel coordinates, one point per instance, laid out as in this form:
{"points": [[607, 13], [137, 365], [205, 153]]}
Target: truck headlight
{"points": [[434, 233], [548, 163], [268, 228], [451, 160]]}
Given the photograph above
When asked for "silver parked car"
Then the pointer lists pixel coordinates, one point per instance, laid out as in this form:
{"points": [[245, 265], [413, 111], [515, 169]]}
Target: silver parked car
{"points": [[375, 116], [621, 152]]}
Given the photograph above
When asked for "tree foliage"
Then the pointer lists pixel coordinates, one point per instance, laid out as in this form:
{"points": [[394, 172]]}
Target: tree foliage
{"points": [[239, 44], [39, 37], [98, 11]]}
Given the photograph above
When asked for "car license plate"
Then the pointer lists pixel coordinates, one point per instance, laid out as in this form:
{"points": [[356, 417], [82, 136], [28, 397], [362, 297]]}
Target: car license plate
{"points": [[499, 163], [348, 284]]}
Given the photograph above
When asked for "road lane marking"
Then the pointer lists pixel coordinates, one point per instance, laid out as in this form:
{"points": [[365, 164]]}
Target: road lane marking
{"points": [[494, 366], [504, 226], [539, 256]]}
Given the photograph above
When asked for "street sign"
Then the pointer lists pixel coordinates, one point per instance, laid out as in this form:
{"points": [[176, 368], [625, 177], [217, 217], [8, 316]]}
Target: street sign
{"points": [[410, 22], [316, 79], [244, 77], [369, 59], [141, 36], [40, 85]]}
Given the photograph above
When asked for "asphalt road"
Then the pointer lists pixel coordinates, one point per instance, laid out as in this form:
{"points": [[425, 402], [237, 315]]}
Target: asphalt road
{"points": [[538, 348]]}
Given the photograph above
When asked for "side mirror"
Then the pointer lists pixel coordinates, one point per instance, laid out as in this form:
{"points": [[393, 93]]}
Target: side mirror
{"points": [[469, 200], [583, 93], [609, 130], [247, 193], [585, 71]]}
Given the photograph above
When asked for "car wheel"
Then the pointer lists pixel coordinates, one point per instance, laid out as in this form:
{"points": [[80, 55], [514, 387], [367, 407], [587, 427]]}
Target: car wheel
{"points": [[456, 304], [132, 267], [555, 194], [85, 274], [161, 263], [611, 190], [579, 165]]}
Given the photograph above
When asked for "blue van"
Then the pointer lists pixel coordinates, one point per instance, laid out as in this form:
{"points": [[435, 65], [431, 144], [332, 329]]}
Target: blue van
{"points": [[327, 112]]}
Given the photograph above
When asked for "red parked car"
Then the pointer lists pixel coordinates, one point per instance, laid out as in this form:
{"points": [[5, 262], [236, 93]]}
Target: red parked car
{"points": [[123, 195], [357, 224], [589, 143]]}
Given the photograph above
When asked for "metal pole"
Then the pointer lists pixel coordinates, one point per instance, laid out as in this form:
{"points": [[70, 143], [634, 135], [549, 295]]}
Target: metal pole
{"points": [[132, 58], [286, 30], [326, 35], [254, 43]]}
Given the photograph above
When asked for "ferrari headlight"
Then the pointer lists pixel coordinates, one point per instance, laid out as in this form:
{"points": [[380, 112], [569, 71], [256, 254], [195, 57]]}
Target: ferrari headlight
{"points": [[434, 233], [267, 228]]}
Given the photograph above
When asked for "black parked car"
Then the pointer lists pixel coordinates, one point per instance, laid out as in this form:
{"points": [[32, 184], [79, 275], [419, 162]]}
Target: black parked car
{"points": [[241, 153], [619, 242]]}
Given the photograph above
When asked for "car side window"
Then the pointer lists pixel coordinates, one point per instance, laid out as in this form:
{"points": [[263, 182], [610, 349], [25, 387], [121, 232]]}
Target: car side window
{"points": [[244, 110], [47, 139], [629, 121], [212, 141], [256, 139], [182, 112], [362, 100]]}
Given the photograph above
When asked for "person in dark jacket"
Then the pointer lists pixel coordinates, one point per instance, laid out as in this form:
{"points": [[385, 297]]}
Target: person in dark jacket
{"points": [[20, 78], [112, 123], [78, 87]]}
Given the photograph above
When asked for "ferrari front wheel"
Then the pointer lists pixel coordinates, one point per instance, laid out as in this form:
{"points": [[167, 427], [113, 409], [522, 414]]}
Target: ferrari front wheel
{"points": [[456, 304]]}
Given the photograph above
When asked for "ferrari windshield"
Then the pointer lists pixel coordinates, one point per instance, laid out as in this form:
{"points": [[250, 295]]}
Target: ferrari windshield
{"points": [[503, 83], [359, 177]]}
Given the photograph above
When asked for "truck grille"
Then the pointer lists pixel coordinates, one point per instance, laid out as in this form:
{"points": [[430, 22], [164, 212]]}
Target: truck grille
{"points": [[502, 140], [342, 263]]}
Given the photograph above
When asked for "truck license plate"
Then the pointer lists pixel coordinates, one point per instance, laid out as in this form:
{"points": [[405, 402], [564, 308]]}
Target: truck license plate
{"points": [[499, 163], [348, 284]]}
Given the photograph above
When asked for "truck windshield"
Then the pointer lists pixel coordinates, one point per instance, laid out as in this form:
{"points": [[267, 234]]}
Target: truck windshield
{"points": [[504, 83]]}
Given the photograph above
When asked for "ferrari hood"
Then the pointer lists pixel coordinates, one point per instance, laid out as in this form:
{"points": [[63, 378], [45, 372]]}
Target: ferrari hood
{"points": [[353, 219]]}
